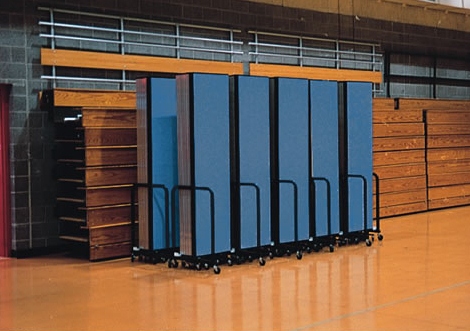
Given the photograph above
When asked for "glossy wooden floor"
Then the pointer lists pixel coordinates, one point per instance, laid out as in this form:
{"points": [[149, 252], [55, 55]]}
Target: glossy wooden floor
{"points": [[418, 278]]}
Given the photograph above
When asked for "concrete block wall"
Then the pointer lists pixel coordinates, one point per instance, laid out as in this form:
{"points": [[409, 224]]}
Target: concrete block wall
{"points": [[33, 184]]}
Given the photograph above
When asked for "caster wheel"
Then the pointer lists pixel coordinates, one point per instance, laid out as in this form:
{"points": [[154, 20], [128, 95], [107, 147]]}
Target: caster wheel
{"points": [[261, 261], [271, 255], [288, 252], [132, 258], [356, 240], [250, 258], [332, 248], [229, 262], [309, 250], [216, 269], [299, 255], [198, 266], [368, 242], [172, 263], [184, 264], [380, 237], [206, 266]]}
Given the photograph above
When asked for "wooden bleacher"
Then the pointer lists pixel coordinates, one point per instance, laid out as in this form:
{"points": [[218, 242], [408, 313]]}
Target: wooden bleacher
{"points": [[399, 158], [422, 154], [96, 167], [448, 155]]}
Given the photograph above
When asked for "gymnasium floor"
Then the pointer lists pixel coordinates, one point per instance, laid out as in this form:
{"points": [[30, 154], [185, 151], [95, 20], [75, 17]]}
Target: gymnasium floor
{"points": [[418, 278]]}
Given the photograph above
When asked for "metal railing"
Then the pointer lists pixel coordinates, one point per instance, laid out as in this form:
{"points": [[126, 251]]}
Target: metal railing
{"points": [[124, 35], [307, 51], [70, 29]]}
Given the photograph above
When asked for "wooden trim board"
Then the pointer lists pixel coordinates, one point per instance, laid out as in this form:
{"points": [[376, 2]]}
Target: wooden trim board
{"points": [[100, 60], [276, 70]]}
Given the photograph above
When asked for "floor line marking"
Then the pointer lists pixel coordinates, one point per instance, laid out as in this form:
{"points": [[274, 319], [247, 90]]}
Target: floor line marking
{"points": [[384, 305]]}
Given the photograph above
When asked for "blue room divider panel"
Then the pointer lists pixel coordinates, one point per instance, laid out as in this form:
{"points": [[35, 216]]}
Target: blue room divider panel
{"points": [[291, 116], [325, 161], [359, 152], [164, 157], [204, 162], [251, 164]]}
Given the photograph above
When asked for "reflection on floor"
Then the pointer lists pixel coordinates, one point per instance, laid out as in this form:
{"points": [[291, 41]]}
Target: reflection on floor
{"points": [[418, 278]]}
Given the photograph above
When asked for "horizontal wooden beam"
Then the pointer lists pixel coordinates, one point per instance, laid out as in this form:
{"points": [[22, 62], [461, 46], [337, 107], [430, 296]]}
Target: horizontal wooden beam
{"points": [[276, 70], [89, 98], [99, 60]]}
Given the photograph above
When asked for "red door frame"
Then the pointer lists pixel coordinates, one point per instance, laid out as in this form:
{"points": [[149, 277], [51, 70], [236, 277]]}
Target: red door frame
{"points": [[5, 211]]}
